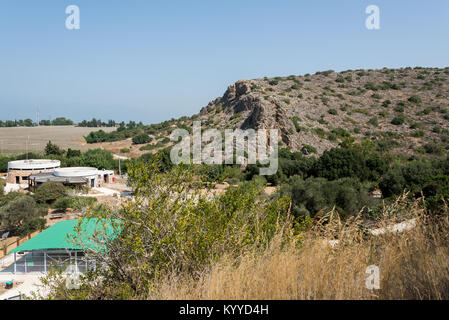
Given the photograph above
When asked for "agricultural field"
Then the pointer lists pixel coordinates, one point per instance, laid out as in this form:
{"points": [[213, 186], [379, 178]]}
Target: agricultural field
{"points": [[14, 140]]}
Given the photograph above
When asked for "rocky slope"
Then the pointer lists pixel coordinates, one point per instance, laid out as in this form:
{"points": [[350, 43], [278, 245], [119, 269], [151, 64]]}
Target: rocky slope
{"points": [[405, 108]]}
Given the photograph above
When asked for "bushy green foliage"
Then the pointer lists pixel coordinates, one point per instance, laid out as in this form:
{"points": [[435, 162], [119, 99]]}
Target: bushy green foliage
{"points": [[49, 192], [308, 149], [409, 176], [76, 203], [295, 121], [2, 187], [97, 158], [53, 149], [121, 133], [71, 153], [414, 99], [433, 148], [316, 194], [172, 227], [358, 161], [141, 139], [232, 173], [62, 203], [398, 120], [210, 173], [96, 136], [373, 121], [22, 215]]}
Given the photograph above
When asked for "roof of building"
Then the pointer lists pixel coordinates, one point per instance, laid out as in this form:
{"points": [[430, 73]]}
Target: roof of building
{"points": [[76, 172], [49, 177], [34, 164], [70, 175], [62, 236]]}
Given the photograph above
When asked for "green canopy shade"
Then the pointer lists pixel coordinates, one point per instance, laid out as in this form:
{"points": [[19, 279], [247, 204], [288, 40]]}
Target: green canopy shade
{"points": [[57, 236]]}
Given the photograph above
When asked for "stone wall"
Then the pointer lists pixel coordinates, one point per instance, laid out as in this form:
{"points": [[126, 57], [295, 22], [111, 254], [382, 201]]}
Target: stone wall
{"points": [[12, 174]]}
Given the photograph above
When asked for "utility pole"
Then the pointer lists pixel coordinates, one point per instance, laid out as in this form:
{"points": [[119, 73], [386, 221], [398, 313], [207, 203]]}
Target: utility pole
{"points": [[37, 115], [119, 164], [27, 146]]}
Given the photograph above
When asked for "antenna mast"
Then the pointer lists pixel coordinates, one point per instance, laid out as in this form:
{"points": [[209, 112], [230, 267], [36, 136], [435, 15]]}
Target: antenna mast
{"points": [[37, 115]]}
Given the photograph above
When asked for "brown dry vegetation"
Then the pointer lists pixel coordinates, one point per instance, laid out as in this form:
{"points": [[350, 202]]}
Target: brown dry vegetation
{"points": [[413, 264], [14, 140]]}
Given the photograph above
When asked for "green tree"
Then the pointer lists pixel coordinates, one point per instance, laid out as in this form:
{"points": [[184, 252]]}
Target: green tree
{"points": [[71, 153], [53, 149], [63, 203], [316, 194], [49, 192], [97, 158], [22, 215], [171, 226], [141, 139]]}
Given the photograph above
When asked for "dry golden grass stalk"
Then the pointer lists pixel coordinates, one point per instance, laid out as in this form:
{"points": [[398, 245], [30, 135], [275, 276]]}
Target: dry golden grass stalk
{"points": [[414, 264]]}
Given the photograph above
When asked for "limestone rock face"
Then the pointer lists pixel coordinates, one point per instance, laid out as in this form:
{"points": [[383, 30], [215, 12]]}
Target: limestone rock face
{"points": [[320, 110]]}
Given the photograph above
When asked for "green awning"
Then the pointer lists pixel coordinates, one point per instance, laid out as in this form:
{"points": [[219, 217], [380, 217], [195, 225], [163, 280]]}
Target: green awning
{"points": [[60, 236]]}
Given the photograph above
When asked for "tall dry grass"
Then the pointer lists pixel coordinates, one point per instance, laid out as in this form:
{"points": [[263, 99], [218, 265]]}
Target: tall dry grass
{"points": [[413, 264]]}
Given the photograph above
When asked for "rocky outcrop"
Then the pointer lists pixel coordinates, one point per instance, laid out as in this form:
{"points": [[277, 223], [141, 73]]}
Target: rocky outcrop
{"points": [[320, 110]]}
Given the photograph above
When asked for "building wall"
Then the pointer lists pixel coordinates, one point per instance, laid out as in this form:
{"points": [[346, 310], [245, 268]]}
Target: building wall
{"points": [[12, 174]]}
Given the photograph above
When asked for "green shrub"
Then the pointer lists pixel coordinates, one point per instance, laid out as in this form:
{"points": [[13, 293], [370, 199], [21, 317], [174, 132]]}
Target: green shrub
{"points": [[417, 134], [374, 122], [62, 203], [414, 99], [410, 176], [187, 230], [49, 192], [370, 86], [433, 148], [398, 120], [386, 103], [141, 139], [21, 215], [53, 149], [315, 194], [296, 123], [309, 149]]}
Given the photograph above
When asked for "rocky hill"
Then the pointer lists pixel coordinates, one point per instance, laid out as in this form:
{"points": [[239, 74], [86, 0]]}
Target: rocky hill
{"points": [[404, 109]]}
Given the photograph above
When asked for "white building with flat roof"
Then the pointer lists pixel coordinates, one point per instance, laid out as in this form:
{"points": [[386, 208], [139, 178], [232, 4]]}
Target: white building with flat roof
{"points": [[81, 176], [19, 171]]}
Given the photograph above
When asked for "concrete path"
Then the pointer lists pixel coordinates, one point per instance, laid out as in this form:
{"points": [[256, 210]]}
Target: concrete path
{"points": [[29, 283]]}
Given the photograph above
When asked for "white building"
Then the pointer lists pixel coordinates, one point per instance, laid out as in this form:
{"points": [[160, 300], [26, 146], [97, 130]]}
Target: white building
{"points": [[19, 171], [82, 176]]}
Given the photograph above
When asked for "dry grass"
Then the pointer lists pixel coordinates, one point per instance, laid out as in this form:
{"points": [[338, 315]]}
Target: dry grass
{"points": [[413, 264], [14, 140]]}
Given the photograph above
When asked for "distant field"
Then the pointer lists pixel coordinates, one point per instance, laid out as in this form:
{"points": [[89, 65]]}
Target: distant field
{"points": [[14, 140]]}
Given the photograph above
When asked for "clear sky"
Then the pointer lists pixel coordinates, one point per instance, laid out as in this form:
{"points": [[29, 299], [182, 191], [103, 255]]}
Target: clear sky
{"points": [[155, 60]]}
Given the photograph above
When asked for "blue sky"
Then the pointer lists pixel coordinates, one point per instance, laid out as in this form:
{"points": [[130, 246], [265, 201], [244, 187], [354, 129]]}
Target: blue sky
{"points": [[155, 60]]}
